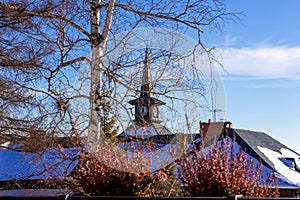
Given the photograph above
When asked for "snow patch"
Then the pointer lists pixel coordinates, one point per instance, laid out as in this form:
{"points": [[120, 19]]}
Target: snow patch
{"points": [[297, 164], [16, 165], [5, 145], [142, 132], [11, 145], [288, 174], [288, 153]]}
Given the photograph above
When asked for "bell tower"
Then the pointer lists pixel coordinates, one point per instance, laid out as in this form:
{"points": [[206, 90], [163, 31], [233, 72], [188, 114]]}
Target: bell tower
{"points": [[146, 106]]}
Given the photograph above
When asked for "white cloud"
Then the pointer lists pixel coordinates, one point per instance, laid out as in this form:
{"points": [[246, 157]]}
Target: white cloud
{"points": [[269, 84], [267, 62]]}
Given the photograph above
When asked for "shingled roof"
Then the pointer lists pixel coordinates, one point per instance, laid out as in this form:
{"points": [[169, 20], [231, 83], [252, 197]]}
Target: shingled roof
{"points": [[273, 154], [252, 140]]}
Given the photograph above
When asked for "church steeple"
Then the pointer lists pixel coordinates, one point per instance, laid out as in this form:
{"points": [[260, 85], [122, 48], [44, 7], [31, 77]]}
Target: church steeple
{"points": [[147, 85], [146, 106]]}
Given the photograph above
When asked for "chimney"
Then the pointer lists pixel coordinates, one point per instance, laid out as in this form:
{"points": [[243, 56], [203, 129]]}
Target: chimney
{"points": [[204, 128], [213, 128], [227, 125]]}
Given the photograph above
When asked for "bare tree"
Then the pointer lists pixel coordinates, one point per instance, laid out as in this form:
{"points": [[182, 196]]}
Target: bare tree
{"points": [[43, 43]]}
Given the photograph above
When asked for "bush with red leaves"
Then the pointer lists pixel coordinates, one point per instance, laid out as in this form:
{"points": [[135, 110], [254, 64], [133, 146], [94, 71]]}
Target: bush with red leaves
{"points": [[220, 172], [122, 178]]}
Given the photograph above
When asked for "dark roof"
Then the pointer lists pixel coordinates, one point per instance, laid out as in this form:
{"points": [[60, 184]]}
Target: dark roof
{"points": [[250, 140], [254, 143], [162, 139], [146, 100], [255, 138]]}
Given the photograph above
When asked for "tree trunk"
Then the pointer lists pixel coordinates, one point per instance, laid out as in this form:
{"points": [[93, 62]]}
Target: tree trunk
{"points": [[98, 42], [94, 123]]}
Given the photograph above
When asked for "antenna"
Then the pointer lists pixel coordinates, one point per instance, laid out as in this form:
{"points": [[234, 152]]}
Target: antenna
{"points": [[214, 113]]}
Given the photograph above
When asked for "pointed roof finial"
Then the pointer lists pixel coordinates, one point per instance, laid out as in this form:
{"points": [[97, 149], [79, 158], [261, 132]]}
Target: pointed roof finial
{"points": [[146, 56], [147, 90], [147, 86]]}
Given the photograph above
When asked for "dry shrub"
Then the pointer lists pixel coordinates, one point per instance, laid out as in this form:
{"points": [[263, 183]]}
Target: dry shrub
{"points": [[95, 178], [219, 171], [112, 172], [216, 171]]}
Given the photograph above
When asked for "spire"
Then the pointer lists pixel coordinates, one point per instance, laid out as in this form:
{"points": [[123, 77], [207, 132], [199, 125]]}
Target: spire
{"points": [[146, 105], [147, 86]]}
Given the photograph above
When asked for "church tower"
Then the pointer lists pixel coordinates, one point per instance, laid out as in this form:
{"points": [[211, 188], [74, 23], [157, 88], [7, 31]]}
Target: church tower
{"points": [[146, 106]]}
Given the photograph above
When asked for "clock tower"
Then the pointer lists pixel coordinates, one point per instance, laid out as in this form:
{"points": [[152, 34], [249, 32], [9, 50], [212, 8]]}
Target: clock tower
{"points": [[146, 106]]}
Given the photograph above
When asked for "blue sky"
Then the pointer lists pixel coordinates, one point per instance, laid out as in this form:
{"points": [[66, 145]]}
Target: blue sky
{"points": [[262, 55]]}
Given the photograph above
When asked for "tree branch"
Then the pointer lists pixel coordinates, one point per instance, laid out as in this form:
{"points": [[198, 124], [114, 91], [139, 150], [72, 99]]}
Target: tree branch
{"points": [[47, 15], [108, 19]]}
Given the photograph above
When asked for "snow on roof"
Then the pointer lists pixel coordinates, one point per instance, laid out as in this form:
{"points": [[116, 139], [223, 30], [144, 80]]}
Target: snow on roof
{"points": [[285, 173], [288, 153], [39, 165], [155, 154], [141, 131], [283, 181], [6, 144], [153, 129], [11, 145]]}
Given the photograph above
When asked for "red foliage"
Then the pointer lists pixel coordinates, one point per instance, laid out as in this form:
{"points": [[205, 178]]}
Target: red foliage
{"points": [[95, 178], [122, 177], [221, 172]]}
